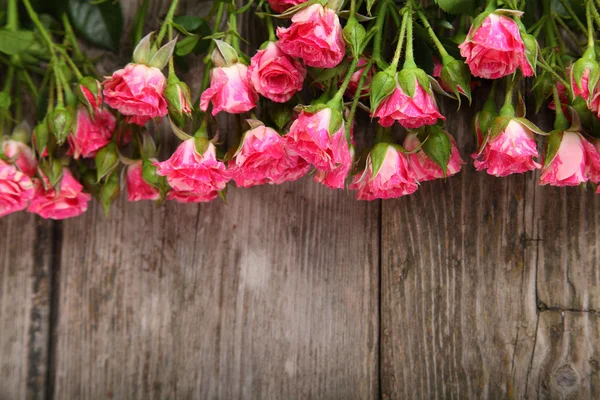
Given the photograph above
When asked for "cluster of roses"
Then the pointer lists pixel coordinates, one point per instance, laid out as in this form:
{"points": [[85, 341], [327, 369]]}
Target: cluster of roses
{"points": [[320, 137]]}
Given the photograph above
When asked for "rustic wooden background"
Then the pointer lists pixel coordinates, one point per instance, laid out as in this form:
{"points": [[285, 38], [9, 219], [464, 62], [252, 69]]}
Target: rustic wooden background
{"points": [[474, 287]]}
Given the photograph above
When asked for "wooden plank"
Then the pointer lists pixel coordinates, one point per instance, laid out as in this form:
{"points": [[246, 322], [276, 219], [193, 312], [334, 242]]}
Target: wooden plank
{"points": [[458, 285], [26, 254], [568, 220], [272, 296], [566, 363]]}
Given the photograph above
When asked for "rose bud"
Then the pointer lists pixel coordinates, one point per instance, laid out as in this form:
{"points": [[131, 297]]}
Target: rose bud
{"points": [[178, 96], [387, 175], [282, 5], [319, 137], [575, 160], [263, 157], [355, 78], [137, 91], [60, 123], [229, 91], [315, 36], [584, 75], [511, 151], [137, 187], [194, 168], [21, 155], [494, 47], [89, 93], [411, 102], [89, 134], [110, 191], [66, 202], [423, 167], [276, 75], [16, 189]]}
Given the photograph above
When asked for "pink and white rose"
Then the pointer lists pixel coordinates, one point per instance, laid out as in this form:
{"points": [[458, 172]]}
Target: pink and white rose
{"points": [[67, 202], [423, 167], [576, 161], [21, 155], [264, 157], [189, 171], [137, 91], [230, 90], [276, 75], [16, 189], [511, 152], [315, 37], [495, 48], [90, 135]]}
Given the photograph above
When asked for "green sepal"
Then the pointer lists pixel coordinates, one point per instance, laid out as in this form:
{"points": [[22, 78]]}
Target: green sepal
{"points": [[336, 122], [107, 160], [531, 50], [161, 58], [41, 134], [110, 191], [53, 170], [438, 147], [456, 74], [142, 52], [586, 62], [553, 145], [383, 84], [224, 54], [409, 77], [201, 144], [93, 86], [531, 126], [377, 155]]}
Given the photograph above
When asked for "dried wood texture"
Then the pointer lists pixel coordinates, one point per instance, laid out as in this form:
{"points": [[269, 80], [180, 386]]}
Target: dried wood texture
{"points": [[25, 258], [566, 363], [272, 296], [458, 285]]}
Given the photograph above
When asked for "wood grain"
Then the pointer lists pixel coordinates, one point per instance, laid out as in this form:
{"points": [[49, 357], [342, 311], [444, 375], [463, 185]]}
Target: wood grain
{"points": [[26, 253], [568, 220], [458, 285], [272, 296], [566, 363]]}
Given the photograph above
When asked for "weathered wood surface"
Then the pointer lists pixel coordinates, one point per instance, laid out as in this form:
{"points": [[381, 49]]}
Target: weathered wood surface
{"points": [[26, 253], [271, 296], [475, 287]]}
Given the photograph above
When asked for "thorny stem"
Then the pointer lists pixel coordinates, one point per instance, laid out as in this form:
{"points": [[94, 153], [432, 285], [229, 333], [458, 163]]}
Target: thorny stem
{"points": [[167, 22], [379, 22], [549, 69], [359, 87], [436, 41], [409, 61], [400, 43], [340, 93], [590, 26], [572, 14]]}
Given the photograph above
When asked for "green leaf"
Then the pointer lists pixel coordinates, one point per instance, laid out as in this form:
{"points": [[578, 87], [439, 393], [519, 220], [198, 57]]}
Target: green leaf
{"points": [[456, 6], [100, 24], [438, 147], [15, 42], [189, 23], [186, 45]]}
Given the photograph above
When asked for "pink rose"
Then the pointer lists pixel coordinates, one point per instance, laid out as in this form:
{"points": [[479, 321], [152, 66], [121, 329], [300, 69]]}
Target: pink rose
{"points": [[263, 157], [393, 179], [191, 197], [230, 90], [69, 201], [282, 5], [16, 189], [425, 169], [355, 78], [138, 92], [576, 161], [410, 112], [137, 188], [90, 135], [189, 171], [511, 152], [276, 75], [495, 48], [21, 156], [336, 179], [310, 137], [315, 36]]}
